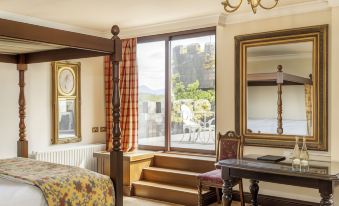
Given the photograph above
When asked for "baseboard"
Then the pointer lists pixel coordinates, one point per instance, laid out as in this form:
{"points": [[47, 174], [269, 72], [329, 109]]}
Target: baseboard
{"points": [[266, 200]]}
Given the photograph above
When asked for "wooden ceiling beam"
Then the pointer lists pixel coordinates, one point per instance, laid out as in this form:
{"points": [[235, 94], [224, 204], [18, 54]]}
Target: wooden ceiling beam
{"points": [[60, 54], [7, 58], [30, 32]]}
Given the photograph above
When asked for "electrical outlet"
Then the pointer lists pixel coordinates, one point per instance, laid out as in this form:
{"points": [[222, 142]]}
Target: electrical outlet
{"points": [[102, 129], [95, 129]]}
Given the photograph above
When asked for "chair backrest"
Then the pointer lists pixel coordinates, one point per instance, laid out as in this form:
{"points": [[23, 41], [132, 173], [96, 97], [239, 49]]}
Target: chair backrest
{"points": [[230, 146]]}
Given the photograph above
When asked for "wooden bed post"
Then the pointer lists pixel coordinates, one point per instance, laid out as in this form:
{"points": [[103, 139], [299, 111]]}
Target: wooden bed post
{"points": [[280, 82], [116, 155], [22, 146]]}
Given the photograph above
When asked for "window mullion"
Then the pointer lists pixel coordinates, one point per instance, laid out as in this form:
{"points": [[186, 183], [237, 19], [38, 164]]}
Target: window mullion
{"points": [[167, 95]]}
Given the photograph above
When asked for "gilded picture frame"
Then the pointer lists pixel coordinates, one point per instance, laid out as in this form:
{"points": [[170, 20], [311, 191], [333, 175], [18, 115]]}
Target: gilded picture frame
{"points": [[66, 102], [319, 36]]}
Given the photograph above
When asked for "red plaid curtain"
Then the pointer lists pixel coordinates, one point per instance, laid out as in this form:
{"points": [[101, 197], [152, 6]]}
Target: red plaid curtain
{"points": [[129, 97], [108, 102]]}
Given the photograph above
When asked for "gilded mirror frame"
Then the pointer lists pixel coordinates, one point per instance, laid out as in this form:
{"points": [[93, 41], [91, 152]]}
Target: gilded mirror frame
{"points": [[319, 36], [74, 94]]}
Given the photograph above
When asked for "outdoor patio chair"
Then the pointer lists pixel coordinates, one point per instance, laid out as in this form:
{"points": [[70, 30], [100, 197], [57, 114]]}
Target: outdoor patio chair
{"points": [[189, 124]]}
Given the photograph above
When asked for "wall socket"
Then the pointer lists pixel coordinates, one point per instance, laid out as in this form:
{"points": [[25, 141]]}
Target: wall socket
{"points": [[103, 129], [95, 129]]}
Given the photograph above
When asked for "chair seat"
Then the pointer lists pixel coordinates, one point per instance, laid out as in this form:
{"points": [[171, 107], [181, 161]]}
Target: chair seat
{"points": [[214, 178], [211, 178]]}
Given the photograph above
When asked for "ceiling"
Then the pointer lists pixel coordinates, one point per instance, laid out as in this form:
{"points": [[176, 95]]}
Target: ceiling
{"points": [[100, 15]]}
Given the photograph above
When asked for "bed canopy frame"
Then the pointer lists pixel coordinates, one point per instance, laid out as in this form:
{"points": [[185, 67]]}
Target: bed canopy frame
{"points": [[278, 79], [23, 44]]}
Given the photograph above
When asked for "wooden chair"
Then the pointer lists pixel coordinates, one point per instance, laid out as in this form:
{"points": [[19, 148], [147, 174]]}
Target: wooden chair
{"points": [[229, 147]]}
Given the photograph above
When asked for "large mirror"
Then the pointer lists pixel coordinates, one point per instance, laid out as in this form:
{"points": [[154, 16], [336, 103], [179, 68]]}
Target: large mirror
{"points": [[281, 90]]}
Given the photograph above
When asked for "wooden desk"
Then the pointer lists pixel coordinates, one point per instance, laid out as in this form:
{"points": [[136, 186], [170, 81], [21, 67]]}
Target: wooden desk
{"points": [[319, 175]]}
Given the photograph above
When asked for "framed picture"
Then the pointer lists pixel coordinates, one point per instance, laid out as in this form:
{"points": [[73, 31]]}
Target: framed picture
{"points": [[66, 102]]}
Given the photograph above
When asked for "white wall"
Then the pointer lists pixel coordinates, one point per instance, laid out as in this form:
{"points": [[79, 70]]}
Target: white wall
{"points": [[225, 88], [9, 117], [334, 86], [39, 105]]}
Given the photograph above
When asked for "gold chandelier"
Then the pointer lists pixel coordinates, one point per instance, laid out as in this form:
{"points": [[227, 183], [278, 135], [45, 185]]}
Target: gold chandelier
{"points": [[229, 7]]}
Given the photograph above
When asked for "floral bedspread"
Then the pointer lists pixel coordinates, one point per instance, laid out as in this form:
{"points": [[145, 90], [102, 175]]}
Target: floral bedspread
{"points": [[61, 185]]}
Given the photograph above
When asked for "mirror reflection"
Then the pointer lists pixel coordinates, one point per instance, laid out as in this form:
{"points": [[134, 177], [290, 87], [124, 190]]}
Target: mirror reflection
{"points": [[280, 89], [66, 118]]}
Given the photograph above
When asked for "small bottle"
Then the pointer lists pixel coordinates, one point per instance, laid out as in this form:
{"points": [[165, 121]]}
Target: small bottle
{"points": [[296, 155], [304, 157]]}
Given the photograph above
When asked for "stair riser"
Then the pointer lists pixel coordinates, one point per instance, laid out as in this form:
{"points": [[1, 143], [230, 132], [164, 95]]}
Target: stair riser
{"points": [[192, 165], [166, 195], [170, 178]]}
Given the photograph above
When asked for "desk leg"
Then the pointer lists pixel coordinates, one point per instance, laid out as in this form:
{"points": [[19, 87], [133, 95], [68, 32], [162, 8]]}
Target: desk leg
{"points": [[326, 193], [227, 193], [326, 200], [254, 188]]}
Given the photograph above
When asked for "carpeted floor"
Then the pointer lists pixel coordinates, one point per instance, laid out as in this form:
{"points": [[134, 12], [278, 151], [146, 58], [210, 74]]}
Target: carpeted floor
{"points": [[134, 201]]}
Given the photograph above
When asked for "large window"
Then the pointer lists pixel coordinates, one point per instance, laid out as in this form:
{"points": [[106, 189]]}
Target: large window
{"points": [[177, 91], [151, 117]]}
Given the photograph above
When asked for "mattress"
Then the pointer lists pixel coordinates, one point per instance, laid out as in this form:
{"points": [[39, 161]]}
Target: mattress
{"points": [[269, 126], [15, 193]]}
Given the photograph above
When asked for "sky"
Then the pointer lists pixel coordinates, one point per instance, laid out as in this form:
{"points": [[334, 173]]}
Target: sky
{"points": [[151, 60]]}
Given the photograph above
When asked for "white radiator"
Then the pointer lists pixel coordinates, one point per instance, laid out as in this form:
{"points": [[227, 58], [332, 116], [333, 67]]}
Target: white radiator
{"points": [[79, 156]]}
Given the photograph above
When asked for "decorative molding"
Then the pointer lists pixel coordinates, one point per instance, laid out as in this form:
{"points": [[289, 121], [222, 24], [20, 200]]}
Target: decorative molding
{"points": [[222, 19], [333, 3], [50, 24], [171, 26], [314, 6]]}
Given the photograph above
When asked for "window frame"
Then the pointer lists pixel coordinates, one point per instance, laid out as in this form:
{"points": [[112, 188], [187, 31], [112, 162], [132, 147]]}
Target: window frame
{"points": [[168, 37]]}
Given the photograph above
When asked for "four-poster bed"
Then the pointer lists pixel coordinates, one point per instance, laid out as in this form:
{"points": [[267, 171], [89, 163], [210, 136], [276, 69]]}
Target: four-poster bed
{"points": [[50, 44], [278, 79]]}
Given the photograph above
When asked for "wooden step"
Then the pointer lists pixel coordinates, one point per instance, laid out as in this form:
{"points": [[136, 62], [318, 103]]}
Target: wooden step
{"points": [[197, 164], [170, 176], [167, 193]]}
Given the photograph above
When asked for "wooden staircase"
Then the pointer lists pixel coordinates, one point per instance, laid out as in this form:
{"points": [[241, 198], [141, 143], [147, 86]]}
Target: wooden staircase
{"points": [[173, 178]]}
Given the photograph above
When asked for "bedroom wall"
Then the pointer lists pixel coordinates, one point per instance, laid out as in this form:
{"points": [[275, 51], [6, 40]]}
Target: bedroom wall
{"points": [[225, 88], [334, 86], [8, 110], [39, 105]]}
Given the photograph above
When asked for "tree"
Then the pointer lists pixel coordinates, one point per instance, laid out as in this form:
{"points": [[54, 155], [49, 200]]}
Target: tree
{"points": [[191, 95], [191, 91]]}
